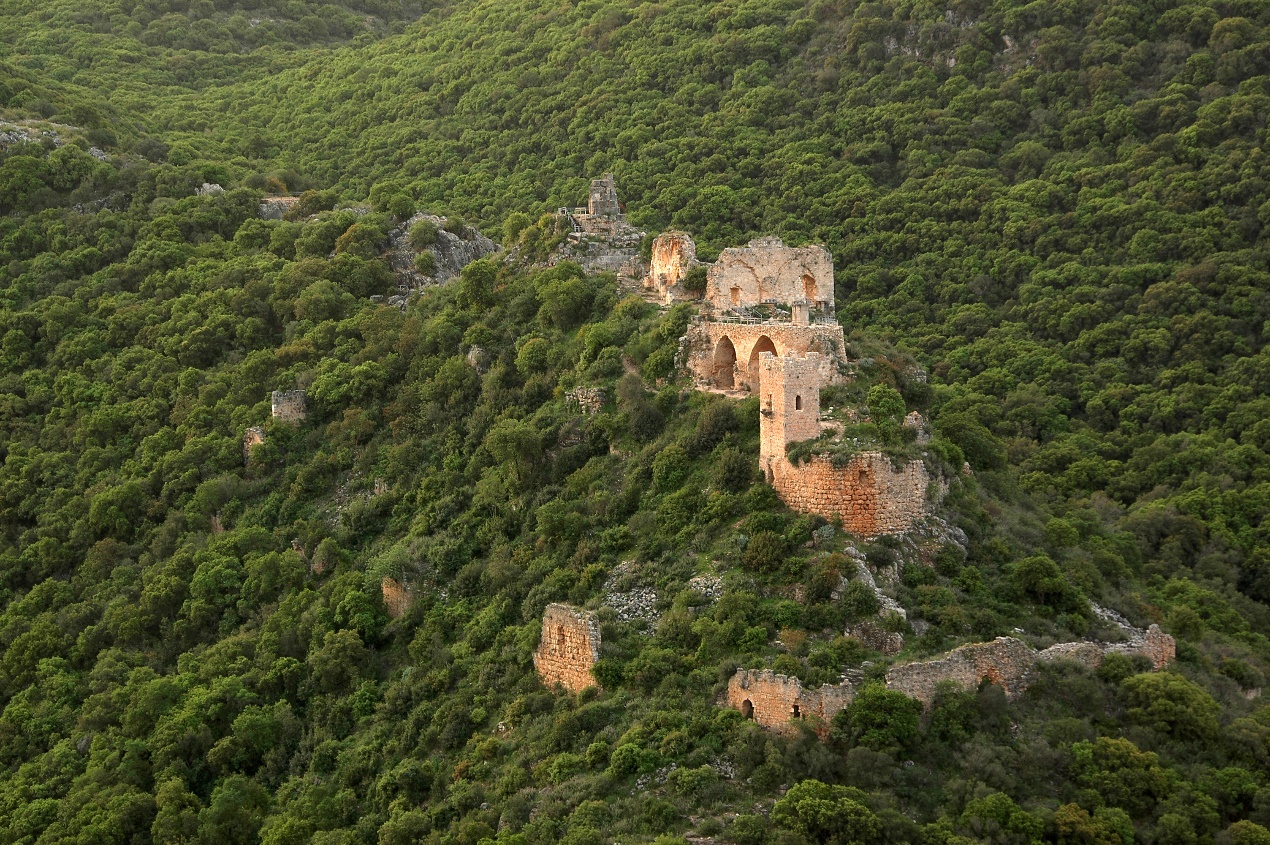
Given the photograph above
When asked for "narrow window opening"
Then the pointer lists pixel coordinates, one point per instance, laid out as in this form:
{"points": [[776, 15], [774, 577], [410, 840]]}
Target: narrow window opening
{"points": [[736, 295], [798, 403], [797, 712], [560, 636], [864, 476]]}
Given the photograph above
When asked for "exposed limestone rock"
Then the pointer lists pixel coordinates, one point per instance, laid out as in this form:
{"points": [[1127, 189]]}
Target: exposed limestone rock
{"points": [[876, 638], [289, 406], [589, 400], [451, 253], [569, 647], [673, 255], [253, 437], [398, 597], [275, 208], [209, 189]]}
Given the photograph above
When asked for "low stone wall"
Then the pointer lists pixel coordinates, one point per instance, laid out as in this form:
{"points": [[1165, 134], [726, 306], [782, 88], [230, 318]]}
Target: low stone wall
{"points": [[588, 400], [773, 700], [868, 495], [569, 647]]}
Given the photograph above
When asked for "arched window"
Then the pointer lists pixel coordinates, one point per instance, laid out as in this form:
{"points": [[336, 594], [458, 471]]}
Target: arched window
{"points": [[747, 709]]}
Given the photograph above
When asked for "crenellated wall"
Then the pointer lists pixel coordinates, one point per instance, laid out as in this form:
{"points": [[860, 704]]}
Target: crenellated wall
{"points": [[568, 648]]}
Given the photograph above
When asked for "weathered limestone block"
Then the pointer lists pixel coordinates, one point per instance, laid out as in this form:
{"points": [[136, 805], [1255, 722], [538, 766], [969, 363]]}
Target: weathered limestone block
{"points": [[275, 208], [569, 647], [289, 406], [398, 597], [673, 255], [252, 438], [876, 638], [765, 270], [602, 201], [589, 400]]}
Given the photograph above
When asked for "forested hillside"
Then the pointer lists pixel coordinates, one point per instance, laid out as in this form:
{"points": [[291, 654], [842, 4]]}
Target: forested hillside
{"points": [[1056, 210]]}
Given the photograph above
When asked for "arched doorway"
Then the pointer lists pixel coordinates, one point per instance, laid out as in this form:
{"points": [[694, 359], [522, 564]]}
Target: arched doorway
{"points": [[724, 368], [809, 288], [747, 709], [763, 344]]}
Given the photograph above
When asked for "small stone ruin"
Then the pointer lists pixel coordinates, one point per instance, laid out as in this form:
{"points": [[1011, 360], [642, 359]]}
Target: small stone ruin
{"points": [[289, 406], [589, 400], [569, 647]]}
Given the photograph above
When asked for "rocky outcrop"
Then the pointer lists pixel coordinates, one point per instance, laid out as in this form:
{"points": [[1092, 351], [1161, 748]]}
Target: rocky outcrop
{"points": [[398, 597], [252, 438], [569, 647], [276, 208], [673, 255], [588, 400], [451, 253]]}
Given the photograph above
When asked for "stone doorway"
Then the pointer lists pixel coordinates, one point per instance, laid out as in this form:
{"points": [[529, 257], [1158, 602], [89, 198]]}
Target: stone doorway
{"points": [[725, 363]]}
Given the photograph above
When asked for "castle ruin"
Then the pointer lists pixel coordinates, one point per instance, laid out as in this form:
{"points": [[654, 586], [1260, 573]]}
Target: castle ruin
{"points": [[569, 647], [289, 406], [600, 238], [774, 701]]}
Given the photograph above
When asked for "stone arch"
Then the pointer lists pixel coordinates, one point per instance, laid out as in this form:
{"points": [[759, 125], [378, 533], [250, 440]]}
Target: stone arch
{"points": [[724, 363], [761, 345], [747, 709], [809, 288]]}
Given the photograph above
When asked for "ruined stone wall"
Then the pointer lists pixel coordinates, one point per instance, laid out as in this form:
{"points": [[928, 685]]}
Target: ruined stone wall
{"points": [[588, 400], [252, 438], [673, 255], [398, 598], [867, 495], [289, 406], [766, 270], [569, 647], [274, 208], [705, 356], [1005, 661], [773, 700]]}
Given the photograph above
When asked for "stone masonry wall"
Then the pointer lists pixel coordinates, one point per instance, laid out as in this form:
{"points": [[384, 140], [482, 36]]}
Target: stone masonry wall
{"points": [[771, 699], [289, 406], [867, 495], [569, 647], [789, 403], [766, 270], [701, 350]]}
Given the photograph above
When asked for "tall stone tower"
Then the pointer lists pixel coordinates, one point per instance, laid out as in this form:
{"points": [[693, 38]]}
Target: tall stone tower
{"points": [[603, 198], [789, 405]]}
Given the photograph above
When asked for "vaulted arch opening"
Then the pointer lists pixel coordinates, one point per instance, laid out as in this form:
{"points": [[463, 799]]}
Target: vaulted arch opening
{"points": [[724, 364], [763, 344]]}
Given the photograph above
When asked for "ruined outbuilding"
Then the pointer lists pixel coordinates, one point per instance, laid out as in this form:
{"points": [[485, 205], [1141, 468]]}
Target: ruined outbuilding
{"points": [[600, 238], [569, 647], [775, 700], [289, 406], [868, 494]]}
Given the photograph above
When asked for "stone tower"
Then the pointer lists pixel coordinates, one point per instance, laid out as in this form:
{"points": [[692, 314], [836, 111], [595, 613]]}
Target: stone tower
{"points": [[603, 199], [289, 406], [789, 404]]}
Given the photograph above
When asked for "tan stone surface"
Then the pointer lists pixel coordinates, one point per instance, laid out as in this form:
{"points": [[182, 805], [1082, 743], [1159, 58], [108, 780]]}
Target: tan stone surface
{"points": [[706, 342], [569, 647], [397, 597], [289, 406], [673, 255], [765, 270], [773, 700], [253, 437], [867, 495]]}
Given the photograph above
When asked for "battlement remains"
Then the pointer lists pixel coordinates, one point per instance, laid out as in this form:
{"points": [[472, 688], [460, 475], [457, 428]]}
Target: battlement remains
{"points": [[569, 647], [289, 406]]}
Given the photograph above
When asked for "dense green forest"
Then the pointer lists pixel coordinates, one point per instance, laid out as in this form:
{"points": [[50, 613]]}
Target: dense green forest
{"points": [[1054, 209]]}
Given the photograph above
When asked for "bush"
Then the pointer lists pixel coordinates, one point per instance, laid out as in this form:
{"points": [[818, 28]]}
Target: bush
{"points": [[765, 552], [423, 234]]}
